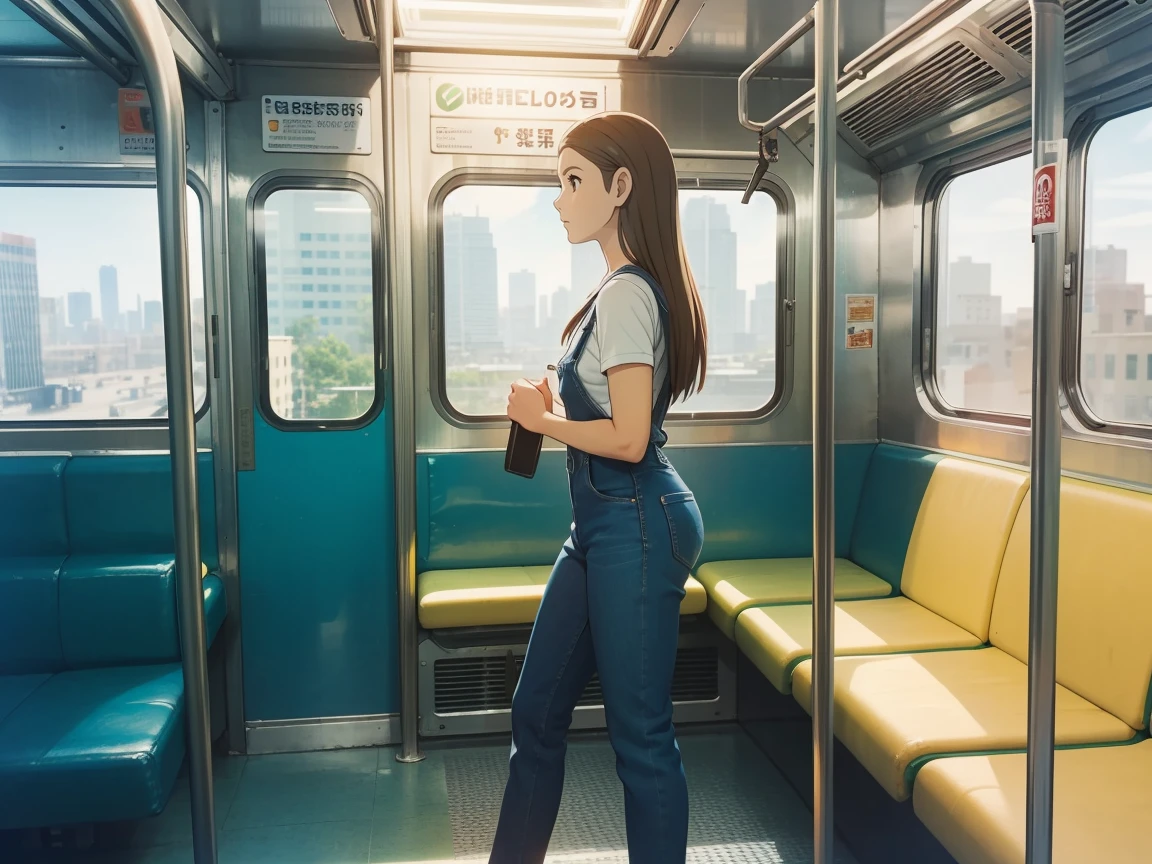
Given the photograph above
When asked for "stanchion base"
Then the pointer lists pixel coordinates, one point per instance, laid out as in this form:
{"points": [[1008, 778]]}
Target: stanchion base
{"points": [[418, 756]]}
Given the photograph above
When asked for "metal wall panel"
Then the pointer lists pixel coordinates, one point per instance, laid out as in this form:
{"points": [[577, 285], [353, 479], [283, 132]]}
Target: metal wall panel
{"points": [[67, 116]]}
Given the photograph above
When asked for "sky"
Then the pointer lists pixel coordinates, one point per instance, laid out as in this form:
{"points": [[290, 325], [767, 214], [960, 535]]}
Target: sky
{"points": [[989, 209], [527, 233], [79, 229]]}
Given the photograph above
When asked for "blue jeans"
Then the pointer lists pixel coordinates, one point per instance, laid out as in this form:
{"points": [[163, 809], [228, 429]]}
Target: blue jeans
{"points": [[612, 604]]}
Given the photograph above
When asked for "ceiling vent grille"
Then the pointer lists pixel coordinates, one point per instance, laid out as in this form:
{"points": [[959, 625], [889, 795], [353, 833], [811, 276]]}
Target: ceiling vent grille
{"points": [[947, 78], [469, 684], [1081, 18]]}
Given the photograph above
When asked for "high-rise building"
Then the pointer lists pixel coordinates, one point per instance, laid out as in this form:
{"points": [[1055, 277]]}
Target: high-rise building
{"points": [[21, 360], [967, 279], [109, 298], [471, 291], [1111, 303], [542, 313], [588, 269], [563, 308], [763, 316], [711, 246], [318, 254], [521, 309], [1108, 265], [79, 309], [132, 320], [153, 316], [51, 321], [280, 383]]}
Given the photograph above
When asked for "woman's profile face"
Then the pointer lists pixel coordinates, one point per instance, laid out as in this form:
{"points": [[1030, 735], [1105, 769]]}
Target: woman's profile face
{"points": [[584, 205]]}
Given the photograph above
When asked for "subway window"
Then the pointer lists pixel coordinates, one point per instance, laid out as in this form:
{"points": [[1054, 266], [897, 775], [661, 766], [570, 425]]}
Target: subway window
{"points": [[982, 345], [510, 282], [319, 368], [1116, 269], [81, 314]]}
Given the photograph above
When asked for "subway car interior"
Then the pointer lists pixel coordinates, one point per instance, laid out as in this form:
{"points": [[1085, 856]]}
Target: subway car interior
{"points": [[265, 584]]}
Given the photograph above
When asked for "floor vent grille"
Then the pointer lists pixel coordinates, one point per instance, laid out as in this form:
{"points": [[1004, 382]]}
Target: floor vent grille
{"points": [[486, 683]]}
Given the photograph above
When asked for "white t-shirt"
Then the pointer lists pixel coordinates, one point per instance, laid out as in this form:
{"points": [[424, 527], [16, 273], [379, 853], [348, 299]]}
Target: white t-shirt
{"points": [[627, 330]]}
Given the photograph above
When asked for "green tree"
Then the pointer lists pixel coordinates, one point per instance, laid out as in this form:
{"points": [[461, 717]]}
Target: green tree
{"points": [[323, 363]]}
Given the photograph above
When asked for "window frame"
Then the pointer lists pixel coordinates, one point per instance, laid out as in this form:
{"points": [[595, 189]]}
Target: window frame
{"points": [[1081, 137], [930, 285], [122, 178], [313, 181], [718, 181]]}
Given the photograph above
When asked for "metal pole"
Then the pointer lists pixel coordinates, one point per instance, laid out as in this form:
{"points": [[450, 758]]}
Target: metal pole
{"points": [[823, 425], [144, 26], [403, 406], [1047, 147]]}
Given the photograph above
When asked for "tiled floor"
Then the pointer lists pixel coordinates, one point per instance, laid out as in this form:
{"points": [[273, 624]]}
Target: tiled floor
{"points": [[362, 807]]}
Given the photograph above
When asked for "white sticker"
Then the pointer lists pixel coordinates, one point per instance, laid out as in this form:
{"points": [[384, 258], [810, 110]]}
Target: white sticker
{"points": [[134, 114], [536, 98], [497, 137], [861, 308], [317, 124]]}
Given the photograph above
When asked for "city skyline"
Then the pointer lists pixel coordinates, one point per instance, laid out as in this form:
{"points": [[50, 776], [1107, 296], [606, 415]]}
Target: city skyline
{"points": [[57, 356], [527, 231], [78, 230], [531, 315]]}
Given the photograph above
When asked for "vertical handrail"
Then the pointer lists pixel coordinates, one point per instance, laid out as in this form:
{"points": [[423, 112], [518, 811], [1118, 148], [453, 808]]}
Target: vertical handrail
{"points": [[823, 422], [1047, 147], [144, 26], [403, 405]]}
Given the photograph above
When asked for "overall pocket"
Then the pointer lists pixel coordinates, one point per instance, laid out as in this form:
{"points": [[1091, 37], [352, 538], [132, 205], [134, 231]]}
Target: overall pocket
{"points": [[685, 525], [610, 483]]}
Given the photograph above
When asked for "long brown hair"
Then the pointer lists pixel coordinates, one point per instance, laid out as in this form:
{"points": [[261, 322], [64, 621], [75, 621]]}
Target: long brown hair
{"points": [[650, 236]]}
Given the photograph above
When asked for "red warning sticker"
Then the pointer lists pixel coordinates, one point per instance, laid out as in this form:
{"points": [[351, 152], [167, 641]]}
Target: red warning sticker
{"points": [[1048, 187], [1045, 200]]}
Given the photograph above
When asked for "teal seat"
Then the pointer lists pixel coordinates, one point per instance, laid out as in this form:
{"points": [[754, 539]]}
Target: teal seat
{"points": [[91, 689], [90, 745]]}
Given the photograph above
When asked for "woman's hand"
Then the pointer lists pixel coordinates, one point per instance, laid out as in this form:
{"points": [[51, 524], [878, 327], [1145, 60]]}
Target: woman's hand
{"points": [[527, 406]]}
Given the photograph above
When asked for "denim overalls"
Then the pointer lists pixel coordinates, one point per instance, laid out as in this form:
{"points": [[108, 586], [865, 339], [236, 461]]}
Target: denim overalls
{"points": [[612, 605]]}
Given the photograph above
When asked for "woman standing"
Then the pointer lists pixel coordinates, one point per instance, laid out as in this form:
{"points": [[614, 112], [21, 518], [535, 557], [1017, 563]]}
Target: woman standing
{"points": [[612, 604]]}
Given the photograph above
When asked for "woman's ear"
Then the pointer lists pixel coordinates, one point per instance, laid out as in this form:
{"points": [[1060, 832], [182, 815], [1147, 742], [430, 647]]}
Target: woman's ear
{"points": [[621, 186]]}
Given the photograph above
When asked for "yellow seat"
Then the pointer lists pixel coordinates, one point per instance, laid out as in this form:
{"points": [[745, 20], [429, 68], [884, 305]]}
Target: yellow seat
{"points": [[485, 597], [777, 638], [976, 805], [895, 712], [950, 570], [734, 586]]}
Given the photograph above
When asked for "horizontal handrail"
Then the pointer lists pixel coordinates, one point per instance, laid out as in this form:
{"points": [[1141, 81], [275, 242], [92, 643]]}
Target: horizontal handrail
{"points": [[796, 32], [910, 30]]}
